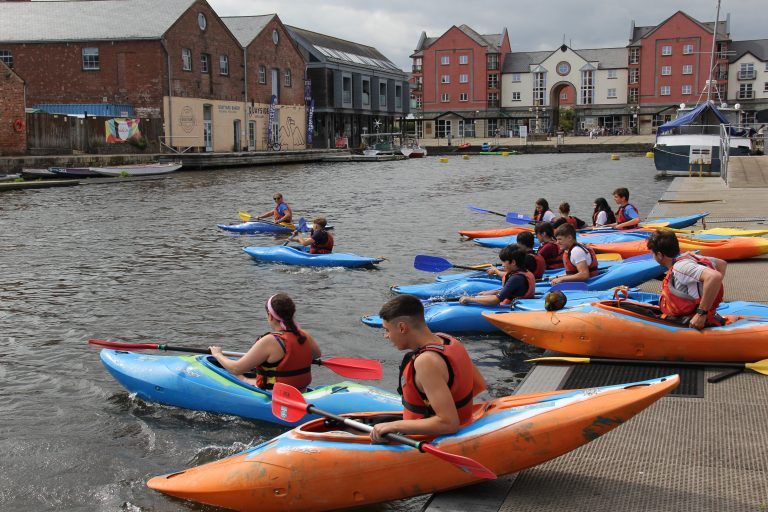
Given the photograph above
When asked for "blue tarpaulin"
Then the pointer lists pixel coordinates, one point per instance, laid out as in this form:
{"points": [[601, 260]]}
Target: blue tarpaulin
{"points": [[690, 117], [93, 109]]}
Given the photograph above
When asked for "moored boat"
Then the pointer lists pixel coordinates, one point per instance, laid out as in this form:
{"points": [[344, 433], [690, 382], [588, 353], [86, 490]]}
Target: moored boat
{"points": [[323, 466], [626, 330], [199, 383], [74, 172], [138, 169], [293, 256]]}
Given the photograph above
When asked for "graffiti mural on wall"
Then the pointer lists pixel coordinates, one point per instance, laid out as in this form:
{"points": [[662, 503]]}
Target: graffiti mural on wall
{"points": [[292, 133]]}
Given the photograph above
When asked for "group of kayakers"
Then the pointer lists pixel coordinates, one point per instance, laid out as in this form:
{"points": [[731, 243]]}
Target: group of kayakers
{"points": [[627, 215], [320, 240]]}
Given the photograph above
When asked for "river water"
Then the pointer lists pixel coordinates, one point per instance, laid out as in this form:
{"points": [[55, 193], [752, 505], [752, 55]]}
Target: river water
{"points": [[144, 262]]}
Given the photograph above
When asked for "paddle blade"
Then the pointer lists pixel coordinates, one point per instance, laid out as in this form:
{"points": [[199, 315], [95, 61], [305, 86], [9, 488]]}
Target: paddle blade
{"points": [[288, 403], [574, 286], [244, 216], [353, 368], [517, 218], [609, 256], [431, 263], [302, 225], [759, 367], [558, 360], [464, 463], [123, 346]]}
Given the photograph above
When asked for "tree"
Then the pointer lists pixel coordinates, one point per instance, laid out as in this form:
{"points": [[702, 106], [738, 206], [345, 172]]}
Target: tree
{"points": [[566, 119]]}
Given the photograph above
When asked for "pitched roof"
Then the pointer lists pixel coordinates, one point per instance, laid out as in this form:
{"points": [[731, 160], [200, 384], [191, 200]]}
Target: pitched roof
{"points": [[332, 49], [757, 47], [103, 20], [487, 40], [246, 28], [520, 62], [641, 32], [607, 58]]}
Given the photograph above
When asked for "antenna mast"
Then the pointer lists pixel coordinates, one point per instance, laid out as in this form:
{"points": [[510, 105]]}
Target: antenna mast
{"points": [[712, 54]]}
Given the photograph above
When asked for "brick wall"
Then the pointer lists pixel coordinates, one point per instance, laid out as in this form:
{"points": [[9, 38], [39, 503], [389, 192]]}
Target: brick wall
{"points": [[284, 55], [12, 141]]}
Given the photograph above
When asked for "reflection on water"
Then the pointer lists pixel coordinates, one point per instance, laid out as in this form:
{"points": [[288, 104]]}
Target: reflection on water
{"points": [[143, 261]]}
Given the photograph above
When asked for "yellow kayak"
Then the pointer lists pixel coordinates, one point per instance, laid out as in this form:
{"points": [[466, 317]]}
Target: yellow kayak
{"points": [[723, 231]]}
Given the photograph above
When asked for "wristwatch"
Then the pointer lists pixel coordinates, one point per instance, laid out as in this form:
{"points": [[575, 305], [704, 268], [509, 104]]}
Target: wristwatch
{"points": [[700, 311]]}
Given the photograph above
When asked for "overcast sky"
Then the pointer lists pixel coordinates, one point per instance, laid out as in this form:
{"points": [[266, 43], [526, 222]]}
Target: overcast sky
{"points": [[394, 26]]}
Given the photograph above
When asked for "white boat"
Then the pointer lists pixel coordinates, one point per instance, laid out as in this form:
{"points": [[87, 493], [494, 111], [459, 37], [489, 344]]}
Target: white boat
{"points": [[380, 144], [138, 169], [412, 149], [9, 177]]}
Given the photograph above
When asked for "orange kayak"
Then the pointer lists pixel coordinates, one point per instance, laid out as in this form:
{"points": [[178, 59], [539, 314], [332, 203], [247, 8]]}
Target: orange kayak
{"points": [[603, 329], [323, 466], [736, 248], [495, 233]]}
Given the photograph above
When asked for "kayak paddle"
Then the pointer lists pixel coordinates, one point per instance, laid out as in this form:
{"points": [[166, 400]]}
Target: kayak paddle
{"points": [[518, 218], [759, 366], [437, 264], [301, 227], [353, 368], [246, 217], [288, 404], [483, 210]]}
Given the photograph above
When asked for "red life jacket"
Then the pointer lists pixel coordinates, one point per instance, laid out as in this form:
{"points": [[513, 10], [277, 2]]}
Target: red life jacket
{"points": [[460, 380], [570, 268], [529, 293], [295, 368], [325, 248], [277, 215], [555, 261], [621, 218], [572, 221], [674, 302], [541, 265]]}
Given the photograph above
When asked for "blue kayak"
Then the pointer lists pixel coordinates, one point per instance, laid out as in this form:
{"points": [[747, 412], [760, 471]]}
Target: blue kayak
{"points": [[293, 256], [256, 227], [197, 382], [675, 222], [602, 265], [628, 273], [457, 318]]}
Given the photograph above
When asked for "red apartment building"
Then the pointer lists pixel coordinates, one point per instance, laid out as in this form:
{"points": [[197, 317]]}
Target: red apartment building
{"points": [[13, 134], [457, 83], [669, 65]]}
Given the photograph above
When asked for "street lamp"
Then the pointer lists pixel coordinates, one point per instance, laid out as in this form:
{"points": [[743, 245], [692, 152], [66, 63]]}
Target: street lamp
{"points": [[634, 110], [536, 109]]}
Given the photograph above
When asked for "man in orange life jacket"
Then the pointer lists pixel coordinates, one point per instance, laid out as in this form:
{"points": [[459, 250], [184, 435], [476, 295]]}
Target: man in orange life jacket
{"points": [[320, 240], [534, 262], [580, 261], [437, 378], [516, 280], [693, 286], [627, 216], [281, 214]]}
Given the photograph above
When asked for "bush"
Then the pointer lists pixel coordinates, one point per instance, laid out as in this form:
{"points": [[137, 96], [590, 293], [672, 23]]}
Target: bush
{"points": [[139, 142]]}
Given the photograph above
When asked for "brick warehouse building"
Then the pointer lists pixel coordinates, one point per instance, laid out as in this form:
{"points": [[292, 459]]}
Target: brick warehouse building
{"points": [[175, 60], [13, 135]]}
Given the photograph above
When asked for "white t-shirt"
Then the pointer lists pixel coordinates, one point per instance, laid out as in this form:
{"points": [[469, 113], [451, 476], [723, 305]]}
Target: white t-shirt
{"points": [[579, 254], [686, 275], [602, 219], [548, 216]]}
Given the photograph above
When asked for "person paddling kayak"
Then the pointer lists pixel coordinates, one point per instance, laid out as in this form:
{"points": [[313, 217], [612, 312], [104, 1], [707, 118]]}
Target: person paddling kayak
{"points": [[542, 213], [437, 378], [580, 261], [320, 241], [693, 286], [627, 216], [548, 248], [281, 213], [283, 355], [517, 282]]}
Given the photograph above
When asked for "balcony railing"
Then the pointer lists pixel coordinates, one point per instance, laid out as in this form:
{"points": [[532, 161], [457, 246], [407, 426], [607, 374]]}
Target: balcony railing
{"points": [[416, 69], [747, 75]]}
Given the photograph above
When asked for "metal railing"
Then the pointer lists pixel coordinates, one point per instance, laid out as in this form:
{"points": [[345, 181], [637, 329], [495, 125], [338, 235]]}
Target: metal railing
{"points": [[725, 154]]}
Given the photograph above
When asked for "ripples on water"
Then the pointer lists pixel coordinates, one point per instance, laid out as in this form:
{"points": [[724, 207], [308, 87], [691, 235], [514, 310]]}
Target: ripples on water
{"points": [[143, 261]]}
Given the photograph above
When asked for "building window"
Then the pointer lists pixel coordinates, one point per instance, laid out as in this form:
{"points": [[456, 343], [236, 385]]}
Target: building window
{"points": [[493, 61], [493, 100], [346, 90], [666, 90], [515, 96], [493, 81], [382, 95], [262, 74], [563, 68], [612, 73], [463, 59], [186, 59], [6, 57], [445, 98], [766, 66], [634, 55], [90, 59], [418, 101], [666, 50], [687, 49], [463, 79], [201, 21], [745, 92], [747, 71], [204, 60], [463, 96], [687, 89], [275, 36], [443, 128], [666, 70], [633, 95], [611, 93], [634, 75], [765, 87], [417, 64], [491, 127], [539, 87], [398, 96], [367, 93], [445, 79], [515, 77], [687, 69], [587, 87], [223, 65], [445, 60], [287, 78]]}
